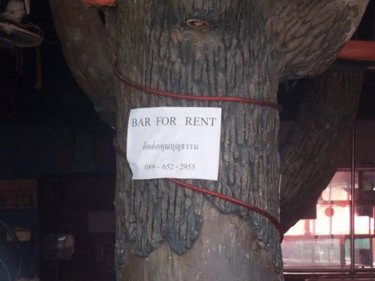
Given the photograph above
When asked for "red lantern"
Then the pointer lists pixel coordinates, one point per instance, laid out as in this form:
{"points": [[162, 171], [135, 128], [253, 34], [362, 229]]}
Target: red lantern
{"points": [[329, 212]]}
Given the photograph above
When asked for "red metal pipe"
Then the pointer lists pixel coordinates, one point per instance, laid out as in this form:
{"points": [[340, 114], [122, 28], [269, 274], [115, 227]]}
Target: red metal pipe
{"points": [[358, 51], [99, 2]]}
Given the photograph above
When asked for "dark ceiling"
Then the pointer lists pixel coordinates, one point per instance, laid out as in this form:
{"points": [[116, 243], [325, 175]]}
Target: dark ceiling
{"points": [[45, 94], [36, 87]]}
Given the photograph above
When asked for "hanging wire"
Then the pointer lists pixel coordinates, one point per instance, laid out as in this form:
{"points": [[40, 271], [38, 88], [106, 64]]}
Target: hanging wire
{"points": [[16, 241], [6, 270]]}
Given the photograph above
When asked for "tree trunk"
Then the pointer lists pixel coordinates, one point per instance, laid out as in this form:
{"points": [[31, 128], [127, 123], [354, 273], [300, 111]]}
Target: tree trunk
{"points": [[327, 111], [225, 250], [207, 48], [160, 51]]}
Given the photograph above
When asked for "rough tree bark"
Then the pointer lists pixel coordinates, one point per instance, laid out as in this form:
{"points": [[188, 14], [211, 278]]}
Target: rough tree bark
{"points": [[225, 61], [328, 109], [164, 232]]}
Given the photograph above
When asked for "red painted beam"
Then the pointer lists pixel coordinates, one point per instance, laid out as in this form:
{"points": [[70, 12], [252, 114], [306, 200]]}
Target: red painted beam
{"points": [[99, 2], [358, 51]]}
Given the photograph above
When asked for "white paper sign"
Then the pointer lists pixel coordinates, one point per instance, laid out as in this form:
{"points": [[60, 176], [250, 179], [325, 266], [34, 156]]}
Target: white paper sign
{"points": [[174, 142]]}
